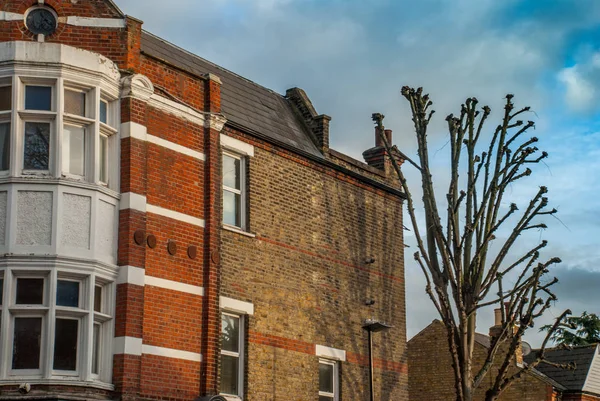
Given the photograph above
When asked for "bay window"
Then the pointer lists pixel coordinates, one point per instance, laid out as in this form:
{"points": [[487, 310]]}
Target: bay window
{"points": [[55, 324], [61, 128]]}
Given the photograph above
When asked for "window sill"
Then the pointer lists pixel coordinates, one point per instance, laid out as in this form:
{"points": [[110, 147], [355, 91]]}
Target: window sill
{"points": [[61, 382], [238, 230], [231, 397], [47, 179]]}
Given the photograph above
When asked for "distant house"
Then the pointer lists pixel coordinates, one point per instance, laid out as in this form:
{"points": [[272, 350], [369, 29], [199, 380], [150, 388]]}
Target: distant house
{"points": [[582, 383], [430, 375]]}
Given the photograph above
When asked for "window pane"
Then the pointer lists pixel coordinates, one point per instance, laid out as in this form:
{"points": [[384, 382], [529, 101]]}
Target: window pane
{"points": [[103, 112], [230, 333], [4, 145], [232, 213], [97, 299], [96, 350], [26, 344], [231, 172], [229, 374], [75, 103], [103, 158], [38, 98], [1, 290], [5, 98], [37, 146], [30, 291], [74, 148], [326, 378], [67, 293], [65, 344]]}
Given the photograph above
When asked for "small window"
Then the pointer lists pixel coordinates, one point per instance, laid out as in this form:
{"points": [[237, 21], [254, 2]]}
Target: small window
{"points": [[103, 159], [233, 190], [74, 150], [328, 381], [231, 354], [103, 112], [67, 293], [97, 298], [5, 98], [96, 350], [38, 98], [36, 153], [30, 291], [4, 146], [27, 343], [65, 344], [75, 103]]}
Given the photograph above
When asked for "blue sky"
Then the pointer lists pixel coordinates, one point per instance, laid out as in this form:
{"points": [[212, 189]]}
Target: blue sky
{"points": [[352, 57]]}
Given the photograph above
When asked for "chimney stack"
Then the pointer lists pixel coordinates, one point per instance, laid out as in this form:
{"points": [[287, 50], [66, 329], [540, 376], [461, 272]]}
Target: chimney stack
{"points": [[496, 330], [378, 157], [318, 123]]}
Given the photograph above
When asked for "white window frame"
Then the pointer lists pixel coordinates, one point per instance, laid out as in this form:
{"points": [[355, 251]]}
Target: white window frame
{"points": [[6, 116], [239, 354], [95, 92], [89, 126], [335, 396], [242, 191], [49, 312]]}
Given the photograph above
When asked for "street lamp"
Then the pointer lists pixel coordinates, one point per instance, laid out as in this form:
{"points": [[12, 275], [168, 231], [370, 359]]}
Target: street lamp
{"points": [[373, 326]]}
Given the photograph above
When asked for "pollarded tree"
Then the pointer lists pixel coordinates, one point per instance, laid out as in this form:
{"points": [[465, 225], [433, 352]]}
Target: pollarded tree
{"points": [[463, 272]]}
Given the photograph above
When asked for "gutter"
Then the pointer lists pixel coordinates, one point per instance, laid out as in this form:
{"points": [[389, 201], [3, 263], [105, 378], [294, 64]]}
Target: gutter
{"points": [[320, 160]]}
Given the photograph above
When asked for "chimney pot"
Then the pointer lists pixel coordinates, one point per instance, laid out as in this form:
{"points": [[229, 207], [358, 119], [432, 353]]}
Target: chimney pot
{"points": [[388, 136], [498, 317]]}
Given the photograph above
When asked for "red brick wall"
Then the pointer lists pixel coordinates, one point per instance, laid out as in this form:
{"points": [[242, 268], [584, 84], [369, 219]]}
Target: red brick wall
{"points": [[118, 44]]}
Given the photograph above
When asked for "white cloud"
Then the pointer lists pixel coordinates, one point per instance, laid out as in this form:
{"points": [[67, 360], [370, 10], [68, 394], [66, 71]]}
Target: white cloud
{"points": [[580, 93]]}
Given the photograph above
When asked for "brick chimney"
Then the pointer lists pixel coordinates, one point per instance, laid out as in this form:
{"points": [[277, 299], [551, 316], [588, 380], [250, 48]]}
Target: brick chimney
{"points": [[378, 157], [318, 123], [496, 330]]}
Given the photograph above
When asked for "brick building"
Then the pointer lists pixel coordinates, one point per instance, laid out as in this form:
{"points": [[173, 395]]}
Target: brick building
{"points": [[171, 230], [431, 376]]}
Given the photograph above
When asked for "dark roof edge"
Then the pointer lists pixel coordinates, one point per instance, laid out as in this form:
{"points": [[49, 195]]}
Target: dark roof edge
{"points": [[356, 163], [117, 9], [319, 160], [547, 379], [170, 64], [206, 61]]}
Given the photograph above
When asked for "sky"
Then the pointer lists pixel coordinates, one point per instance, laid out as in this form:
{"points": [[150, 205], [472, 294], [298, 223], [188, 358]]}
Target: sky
{"points": [[353, 56]]}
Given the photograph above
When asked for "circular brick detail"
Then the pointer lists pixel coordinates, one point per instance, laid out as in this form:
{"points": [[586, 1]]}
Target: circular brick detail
{"points": [[172, 247], [139, 236], [215, 257], [192, 251], [151, 240]]}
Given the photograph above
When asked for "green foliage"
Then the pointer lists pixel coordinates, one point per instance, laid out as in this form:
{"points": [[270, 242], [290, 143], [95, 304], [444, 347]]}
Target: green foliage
{"points": [[577, 330]]}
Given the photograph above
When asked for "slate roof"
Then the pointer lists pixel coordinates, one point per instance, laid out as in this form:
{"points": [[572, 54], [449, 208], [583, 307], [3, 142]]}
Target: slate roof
{"points": [[572, 379], [243, 102]]}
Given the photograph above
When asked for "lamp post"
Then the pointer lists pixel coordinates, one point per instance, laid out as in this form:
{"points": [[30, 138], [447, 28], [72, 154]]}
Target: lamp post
{"points": [[373, 326]]}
